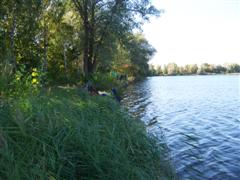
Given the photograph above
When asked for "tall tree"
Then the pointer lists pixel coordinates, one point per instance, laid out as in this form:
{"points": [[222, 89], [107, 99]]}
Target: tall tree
{"points": [[172, 69], [102, 17], [19, 24], [140, 53]]}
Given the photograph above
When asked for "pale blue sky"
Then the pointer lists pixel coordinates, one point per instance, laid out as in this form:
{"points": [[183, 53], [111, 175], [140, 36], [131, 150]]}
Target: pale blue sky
{"points": [[195, 31]]}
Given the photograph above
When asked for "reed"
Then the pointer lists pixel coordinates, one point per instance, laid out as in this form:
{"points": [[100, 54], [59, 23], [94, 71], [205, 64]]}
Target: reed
{"points": [[67, 134]]}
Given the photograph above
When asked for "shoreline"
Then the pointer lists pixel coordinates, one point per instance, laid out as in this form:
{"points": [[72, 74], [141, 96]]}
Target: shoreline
{"points": [[209, 74]]}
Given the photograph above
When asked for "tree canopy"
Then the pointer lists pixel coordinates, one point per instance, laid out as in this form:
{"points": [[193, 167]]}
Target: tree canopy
{"points": [[65, 39]]}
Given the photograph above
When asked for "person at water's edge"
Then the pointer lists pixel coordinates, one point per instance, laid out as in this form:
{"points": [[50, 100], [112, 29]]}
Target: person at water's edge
{"points": [[94, 92]]}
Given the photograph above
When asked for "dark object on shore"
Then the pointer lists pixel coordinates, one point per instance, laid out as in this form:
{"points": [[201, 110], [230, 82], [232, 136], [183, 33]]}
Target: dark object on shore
{"points": [[115, 95], [91, 89], [94, 92], [122, 77]]}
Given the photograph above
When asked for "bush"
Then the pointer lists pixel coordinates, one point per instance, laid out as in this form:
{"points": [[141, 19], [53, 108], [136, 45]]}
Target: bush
{"points": [[104, 81], [20, 82], [65, 134]]}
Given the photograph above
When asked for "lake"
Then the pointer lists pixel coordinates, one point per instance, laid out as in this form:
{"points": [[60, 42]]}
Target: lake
{"points": [[199, 118]]}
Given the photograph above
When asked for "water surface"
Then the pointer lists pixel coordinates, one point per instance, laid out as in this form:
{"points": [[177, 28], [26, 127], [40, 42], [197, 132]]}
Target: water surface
{"points": [[200, 119]]}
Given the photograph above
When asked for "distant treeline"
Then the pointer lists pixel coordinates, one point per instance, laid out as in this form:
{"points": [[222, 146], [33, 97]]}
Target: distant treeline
{"points": [[205, 68]]}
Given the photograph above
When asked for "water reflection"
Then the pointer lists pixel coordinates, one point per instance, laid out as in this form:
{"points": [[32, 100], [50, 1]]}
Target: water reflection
{"points": [[200, 119]]}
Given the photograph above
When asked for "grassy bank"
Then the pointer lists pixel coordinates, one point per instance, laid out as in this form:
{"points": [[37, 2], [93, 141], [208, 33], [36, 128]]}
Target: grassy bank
{"points": [[66, 134]]}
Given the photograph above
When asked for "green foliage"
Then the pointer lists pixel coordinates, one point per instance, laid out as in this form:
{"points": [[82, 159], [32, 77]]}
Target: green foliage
{"points": [[233, 68], [65, 134], [104, 81], [132, 55], [19, 83], [6, 77], [57, 38], [172, 69], [106, 20], [140, 52]]}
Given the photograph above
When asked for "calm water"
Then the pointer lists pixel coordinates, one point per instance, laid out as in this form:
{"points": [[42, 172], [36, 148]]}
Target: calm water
{"points": [[200, 119]]}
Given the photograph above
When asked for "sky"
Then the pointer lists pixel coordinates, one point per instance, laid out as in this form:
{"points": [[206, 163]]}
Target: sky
{"points": [[195, 31]]}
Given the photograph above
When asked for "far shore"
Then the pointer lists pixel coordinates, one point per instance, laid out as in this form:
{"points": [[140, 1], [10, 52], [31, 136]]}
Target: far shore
{"points": [[206, 74]]}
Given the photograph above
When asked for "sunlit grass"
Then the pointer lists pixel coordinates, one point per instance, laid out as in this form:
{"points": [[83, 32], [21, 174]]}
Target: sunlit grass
{"points": [[66, 134]]}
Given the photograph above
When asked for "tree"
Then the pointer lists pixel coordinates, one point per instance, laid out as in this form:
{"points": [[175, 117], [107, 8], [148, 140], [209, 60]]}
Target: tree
{"points": [[233, 68], [172, 69], [152, 70], [140, 52], [135, 52], [159, 70], [103, 17], [165, 70], [205, 68], [59, 41], [219, 69], [182, 70], [191, 68], [20, 24]]}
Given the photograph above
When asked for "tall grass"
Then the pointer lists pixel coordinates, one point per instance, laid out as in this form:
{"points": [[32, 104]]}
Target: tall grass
{"points": [[6, 76], [66, 134]]}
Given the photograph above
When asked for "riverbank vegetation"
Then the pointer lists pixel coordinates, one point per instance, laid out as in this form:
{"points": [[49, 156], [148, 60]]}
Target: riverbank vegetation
{"points": [[63, 133], [66, 40], [191, 69], [48, 132]]}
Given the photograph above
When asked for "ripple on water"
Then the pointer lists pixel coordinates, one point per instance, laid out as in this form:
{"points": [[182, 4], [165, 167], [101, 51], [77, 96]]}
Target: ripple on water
{"points": [[198, 116]]}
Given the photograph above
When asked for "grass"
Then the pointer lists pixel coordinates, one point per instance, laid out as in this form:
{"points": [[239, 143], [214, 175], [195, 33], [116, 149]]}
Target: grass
{"points": [[66, 134]]}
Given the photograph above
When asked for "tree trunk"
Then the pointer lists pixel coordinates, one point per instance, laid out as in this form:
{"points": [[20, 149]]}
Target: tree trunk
{"points": [[86, 51], [86, 38], [45, 48], [65, 58], [92, 50], [12, 38], [86, 11]]}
